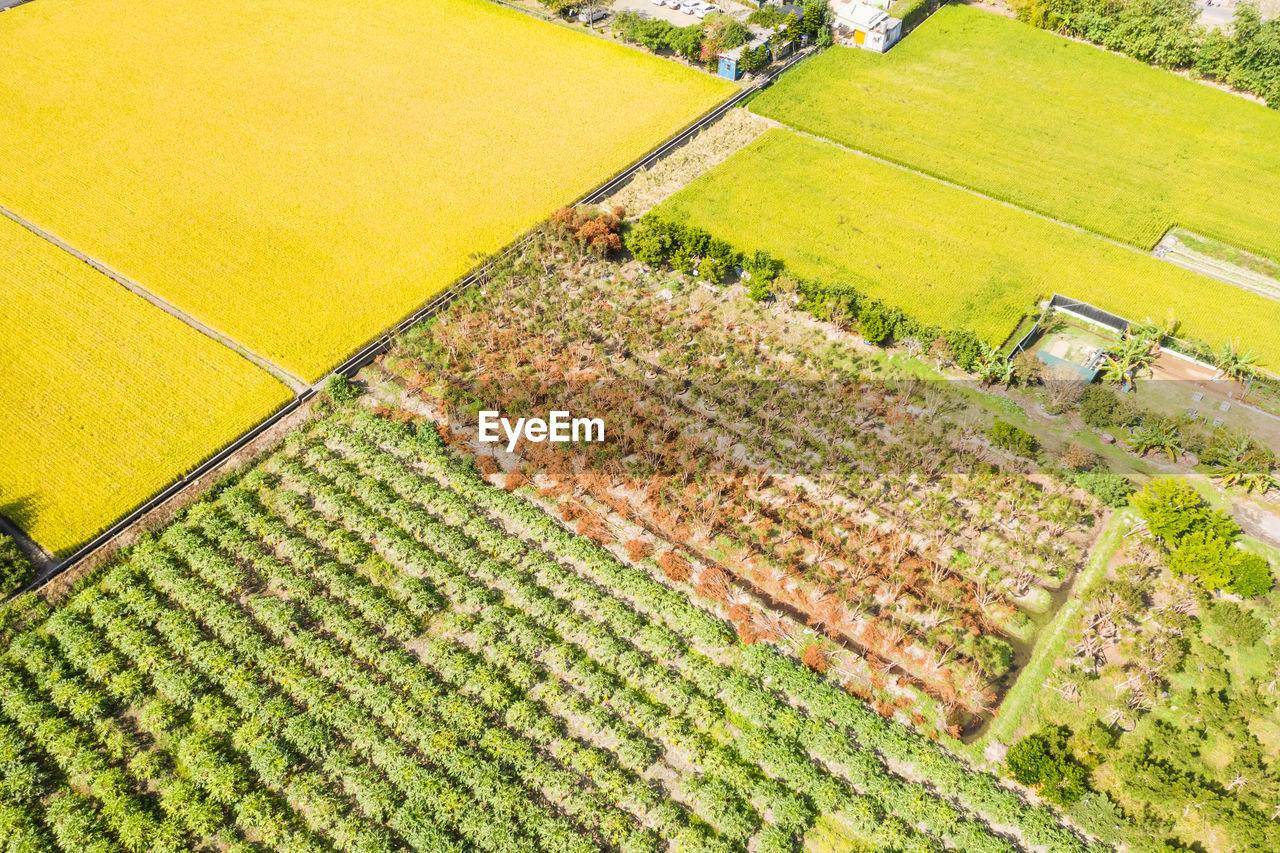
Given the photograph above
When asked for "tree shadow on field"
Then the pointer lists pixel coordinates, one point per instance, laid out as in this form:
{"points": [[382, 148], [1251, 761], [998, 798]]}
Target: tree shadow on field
{"points": [[19, 513]]}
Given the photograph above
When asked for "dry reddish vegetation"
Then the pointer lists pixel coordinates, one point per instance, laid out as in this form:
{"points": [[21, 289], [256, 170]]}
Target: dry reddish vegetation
{"points": [[599, 232], [788, 486]]}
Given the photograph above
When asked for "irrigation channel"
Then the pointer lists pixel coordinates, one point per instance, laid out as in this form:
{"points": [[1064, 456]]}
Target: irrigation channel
{"points": [[383, 342]]}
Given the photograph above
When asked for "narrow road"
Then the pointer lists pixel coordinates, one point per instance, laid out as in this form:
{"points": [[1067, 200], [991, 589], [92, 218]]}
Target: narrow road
{"points": [[294, 383], [1176, 252]]}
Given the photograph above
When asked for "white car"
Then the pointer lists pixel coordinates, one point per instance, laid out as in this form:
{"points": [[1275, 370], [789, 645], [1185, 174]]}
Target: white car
{"points": [[591, 16], [689, 6], [658, 2], [701, 10]]}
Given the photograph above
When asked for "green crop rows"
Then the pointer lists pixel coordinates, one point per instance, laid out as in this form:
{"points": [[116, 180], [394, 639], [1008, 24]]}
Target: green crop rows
{"points": [[1098, 140], [944, 255], [362, 646]]}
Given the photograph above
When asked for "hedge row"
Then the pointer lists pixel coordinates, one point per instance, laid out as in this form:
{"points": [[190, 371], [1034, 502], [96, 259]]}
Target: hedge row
{"points": [[656, 241]]}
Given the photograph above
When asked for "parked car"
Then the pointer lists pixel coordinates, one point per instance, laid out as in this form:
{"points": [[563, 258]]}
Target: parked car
{"points": [[658, 2], [590, 16], [688, 6], [704, 9]]}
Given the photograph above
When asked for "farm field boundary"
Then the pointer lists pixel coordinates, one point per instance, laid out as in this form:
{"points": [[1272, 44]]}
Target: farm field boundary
{"points": [[294, 383], [105, 396], [383, 342]]}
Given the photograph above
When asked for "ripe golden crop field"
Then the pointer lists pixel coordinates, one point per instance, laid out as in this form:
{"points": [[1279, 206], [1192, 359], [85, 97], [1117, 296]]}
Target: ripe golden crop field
{"points": [[104, 399], [301, 175], [942, 254]]}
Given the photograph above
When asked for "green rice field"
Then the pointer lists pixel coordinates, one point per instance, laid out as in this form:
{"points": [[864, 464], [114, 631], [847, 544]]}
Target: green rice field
{"points": [[943, 254], [1061, 128]]}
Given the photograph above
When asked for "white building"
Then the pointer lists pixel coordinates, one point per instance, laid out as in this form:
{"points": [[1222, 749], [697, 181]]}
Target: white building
{"points": [[858, 24]]}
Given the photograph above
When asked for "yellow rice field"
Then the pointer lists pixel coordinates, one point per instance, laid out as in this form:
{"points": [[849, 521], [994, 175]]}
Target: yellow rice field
{"points": [[300, 175], [104, 399]]}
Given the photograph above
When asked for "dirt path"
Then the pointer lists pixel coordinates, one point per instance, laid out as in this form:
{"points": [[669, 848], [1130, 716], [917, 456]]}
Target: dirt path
{"points": [[1256, 521], [295, 384], [1175, 251], [711, 147]]}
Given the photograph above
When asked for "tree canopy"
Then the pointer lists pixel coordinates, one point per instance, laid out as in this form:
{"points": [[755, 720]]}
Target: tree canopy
{"points": [[1200, 541]]}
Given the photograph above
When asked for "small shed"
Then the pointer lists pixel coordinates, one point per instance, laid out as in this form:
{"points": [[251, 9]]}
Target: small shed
{"points": [[858, 24], [730, 63]]}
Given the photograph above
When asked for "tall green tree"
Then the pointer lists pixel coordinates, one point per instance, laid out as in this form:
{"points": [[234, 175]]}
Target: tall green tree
{"points": [[1173, 509]]}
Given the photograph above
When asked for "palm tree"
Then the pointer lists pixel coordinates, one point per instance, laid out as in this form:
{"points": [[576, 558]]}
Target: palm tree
{"points": [[1237, 363], [1240, 461], [994, 367], [1115, 370], [1160, 434], [1137, 350]]}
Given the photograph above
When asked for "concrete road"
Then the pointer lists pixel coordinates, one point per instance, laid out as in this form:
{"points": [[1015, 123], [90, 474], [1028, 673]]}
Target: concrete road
{"points": [[650, 10], [1218, 15], [675, 16]]}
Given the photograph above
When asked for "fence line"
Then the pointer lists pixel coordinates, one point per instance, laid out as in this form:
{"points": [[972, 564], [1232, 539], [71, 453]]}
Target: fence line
{"points": [[1092, 313], [1026, 339], [383, 342]]}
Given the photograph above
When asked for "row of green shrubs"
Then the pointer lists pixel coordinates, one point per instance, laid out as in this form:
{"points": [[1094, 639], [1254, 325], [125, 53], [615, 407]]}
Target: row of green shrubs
{"points": [[655, 240]]}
